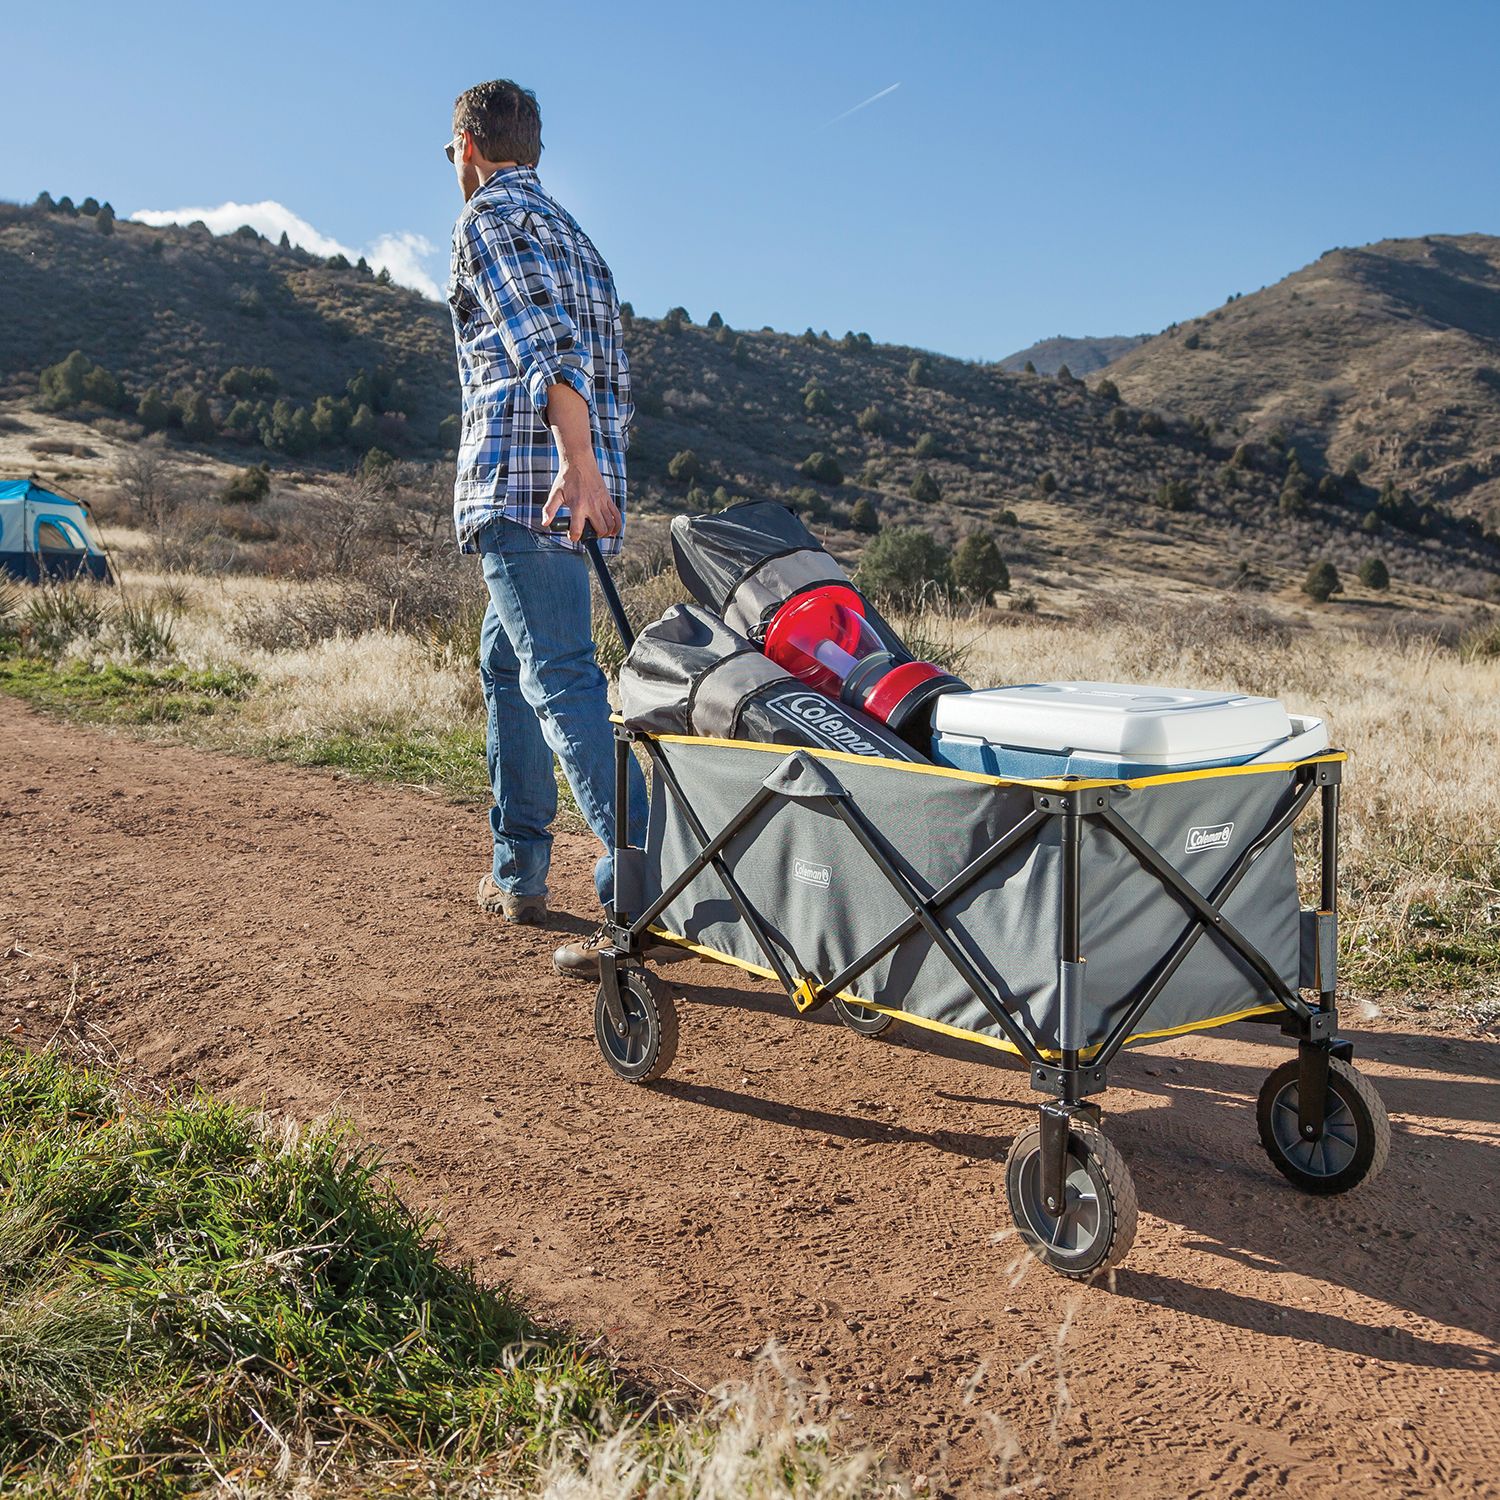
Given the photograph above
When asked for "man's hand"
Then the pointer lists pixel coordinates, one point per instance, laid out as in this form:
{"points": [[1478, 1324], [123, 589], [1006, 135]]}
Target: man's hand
{"points": [[579, 485], [582, 492]]}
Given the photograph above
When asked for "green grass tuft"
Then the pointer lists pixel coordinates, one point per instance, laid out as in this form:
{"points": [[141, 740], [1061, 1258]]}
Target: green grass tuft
{"points": [[182, 1285], [118, 694]]}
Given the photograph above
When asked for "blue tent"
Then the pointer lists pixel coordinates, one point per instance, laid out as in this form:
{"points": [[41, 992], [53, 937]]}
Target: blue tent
{"points": [[45, 535]]}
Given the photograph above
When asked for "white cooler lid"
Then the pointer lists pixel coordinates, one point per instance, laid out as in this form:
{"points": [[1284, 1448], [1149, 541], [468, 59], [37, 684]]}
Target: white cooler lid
{"points": [[1114, 721]]}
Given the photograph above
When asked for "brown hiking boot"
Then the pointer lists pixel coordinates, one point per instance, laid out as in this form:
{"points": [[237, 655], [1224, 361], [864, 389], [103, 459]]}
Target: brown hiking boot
{"points": [[581, 960], [525, 911]]}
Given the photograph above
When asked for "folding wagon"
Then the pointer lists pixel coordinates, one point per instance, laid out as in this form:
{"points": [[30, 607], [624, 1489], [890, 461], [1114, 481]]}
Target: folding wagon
{"points": [[1057, 920]]}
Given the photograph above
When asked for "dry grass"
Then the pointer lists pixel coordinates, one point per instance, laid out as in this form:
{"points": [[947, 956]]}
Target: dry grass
{"points": [[1421, 835]]}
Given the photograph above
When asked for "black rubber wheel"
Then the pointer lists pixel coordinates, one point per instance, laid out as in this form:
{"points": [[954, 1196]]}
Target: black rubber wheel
{"points": [[646, 1047], [1097, 1225], [857, 1018], [1356, 1135]]}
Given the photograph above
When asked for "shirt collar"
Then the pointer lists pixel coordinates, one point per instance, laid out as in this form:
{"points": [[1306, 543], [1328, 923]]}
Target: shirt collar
{"points": [[508, 180]]}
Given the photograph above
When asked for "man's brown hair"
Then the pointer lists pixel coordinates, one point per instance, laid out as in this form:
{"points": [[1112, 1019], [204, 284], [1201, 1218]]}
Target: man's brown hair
{"points": [[503, 119]]}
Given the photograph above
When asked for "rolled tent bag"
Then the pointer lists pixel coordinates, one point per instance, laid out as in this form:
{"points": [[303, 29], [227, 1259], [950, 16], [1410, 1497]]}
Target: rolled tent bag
{"points": [[689, 673], [744, 563]]}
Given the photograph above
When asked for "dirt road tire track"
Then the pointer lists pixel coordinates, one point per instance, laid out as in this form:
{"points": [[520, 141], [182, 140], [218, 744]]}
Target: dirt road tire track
{"points": [[284, 936]]}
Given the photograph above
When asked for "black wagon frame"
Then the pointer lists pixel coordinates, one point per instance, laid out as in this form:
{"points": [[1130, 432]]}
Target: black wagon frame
{"points": [[1072, 1073]]}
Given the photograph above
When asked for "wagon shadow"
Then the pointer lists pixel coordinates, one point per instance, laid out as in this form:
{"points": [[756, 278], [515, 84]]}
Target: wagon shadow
{"points": [[1305, 1325], [853, 1128]]}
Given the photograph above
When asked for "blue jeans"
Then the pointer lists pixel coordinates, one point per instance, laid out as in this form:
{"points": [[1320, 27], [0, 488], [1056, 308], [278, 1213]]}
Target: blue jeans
{"points": [[544, 694]]}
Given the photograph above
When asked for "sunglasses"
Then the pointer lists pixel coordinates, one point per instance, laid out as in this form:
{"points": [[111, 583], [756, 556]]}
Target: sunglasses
{"points": [[448, 149]]}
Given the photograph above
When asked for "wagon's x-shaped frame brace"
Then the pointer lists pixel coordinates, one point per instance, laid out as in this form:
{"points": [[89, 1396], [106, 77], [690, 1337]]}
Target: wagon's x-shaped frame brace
{"points": [[1066, 1076]]}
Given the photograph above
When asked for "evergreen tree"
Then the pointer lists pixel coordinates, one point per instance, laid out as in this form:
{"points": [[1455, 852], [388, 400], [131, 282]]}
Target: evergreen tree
{"points": [[153, 411], [1322, 582], [978, 569], [715, 321], [197, 418], [924, 488], [89, 206], [724, 336], [873, 421], [100, 387], [45, 202], [902, 564], [284, 243], [65, 206], [685, 467], [863, 517], [61, 385], [824, 467], [104, 220], [247, 486], [383, 277], [363, 428], [1374, 574]]}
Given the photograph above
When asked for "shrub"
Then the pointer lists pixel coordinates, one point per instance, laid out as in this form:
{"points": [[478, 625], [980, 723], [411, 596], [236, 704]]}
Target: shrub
{"points": [[1047, 482], [363, 428], [450, 432], [1322, 582], [715, 321], [873, 421], [1119, 419], [1007, 517], [741, 352], [1330, 491], [816, 403], [684, 467], [1374, 574], [153, 411], [197, 420], [924, 488], [678, 315], [724, 335], [61, 385], [1151, 424], [806, 501], [926, 446], [1107, 390], [863, 517], [1175, 494], [918, 372], [101, 388], [240, 381], [1291, 502], [902, 564], [247, 486], [823, 467], [978, 569]]}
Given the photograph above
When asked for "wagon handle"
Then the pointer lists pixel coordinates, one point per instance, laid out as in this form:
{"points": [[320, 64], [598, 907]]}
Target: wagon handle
{"points": [[607, 586]]}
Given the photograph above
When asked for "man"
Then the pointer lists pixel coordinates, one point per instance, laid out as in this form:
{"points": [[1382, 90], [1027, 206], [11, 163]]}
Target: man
{"points": [[546, 407]]}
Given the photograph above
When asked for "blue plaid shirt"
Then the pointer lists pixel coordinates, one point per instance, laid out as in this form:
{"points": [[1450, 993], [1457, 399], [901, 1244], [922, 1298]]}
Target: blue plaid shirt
{"points": [[533, 304]]}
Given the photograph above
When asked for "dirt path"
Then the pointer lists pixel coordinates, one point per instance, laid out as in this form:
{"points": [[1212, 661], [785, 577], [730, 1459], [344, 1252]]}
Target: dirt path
{"points": [[282, 935]]}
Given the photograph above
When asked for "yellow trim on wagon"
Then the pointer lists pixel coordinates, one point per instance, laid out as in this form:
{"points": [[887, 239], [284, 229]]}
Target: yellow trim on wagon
{"points": [[998, 1043], [1042, 783]]}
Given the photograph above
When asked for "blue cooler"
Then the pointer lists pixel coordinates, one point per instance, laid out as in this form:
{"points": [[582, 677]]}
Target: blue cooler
{"points": [[1109, 730]]}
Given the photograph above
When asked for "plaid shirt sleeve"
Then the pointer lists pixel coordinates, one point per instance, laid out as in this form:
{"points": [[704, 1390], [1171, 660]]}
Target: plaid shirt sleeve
{"points": [[515, 286]]}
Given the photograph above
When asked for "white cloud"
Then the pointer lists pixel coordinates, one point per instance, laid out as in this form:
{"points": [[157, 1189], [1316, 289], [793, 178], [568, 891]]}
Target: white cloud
{"points": [[401, 254]]}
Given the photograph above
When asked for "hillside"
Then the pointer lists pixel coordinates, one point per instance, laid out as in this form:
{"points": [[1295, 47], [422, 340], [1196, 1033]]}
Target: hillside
{"points": [[1081, 356], [1385, 357], [1075, 483]]}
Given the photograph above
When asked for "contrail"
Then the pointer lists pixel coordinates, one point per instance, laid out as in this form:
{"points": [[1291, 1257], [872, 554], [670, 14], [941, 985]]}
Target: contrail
{"points": [[873, 97]]}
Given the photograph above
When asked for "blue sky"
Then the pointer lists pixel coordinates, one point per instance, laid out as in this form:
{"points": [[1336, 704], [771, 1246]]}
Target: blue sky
{"points": [[1032, 169]]}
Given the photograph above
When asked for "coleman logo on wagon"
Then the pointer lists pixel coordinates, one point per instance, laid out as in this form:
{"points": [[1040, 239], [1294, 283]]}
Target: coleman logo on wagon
{"points": [[811, 874], [1216, 837], [822, 718]]}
